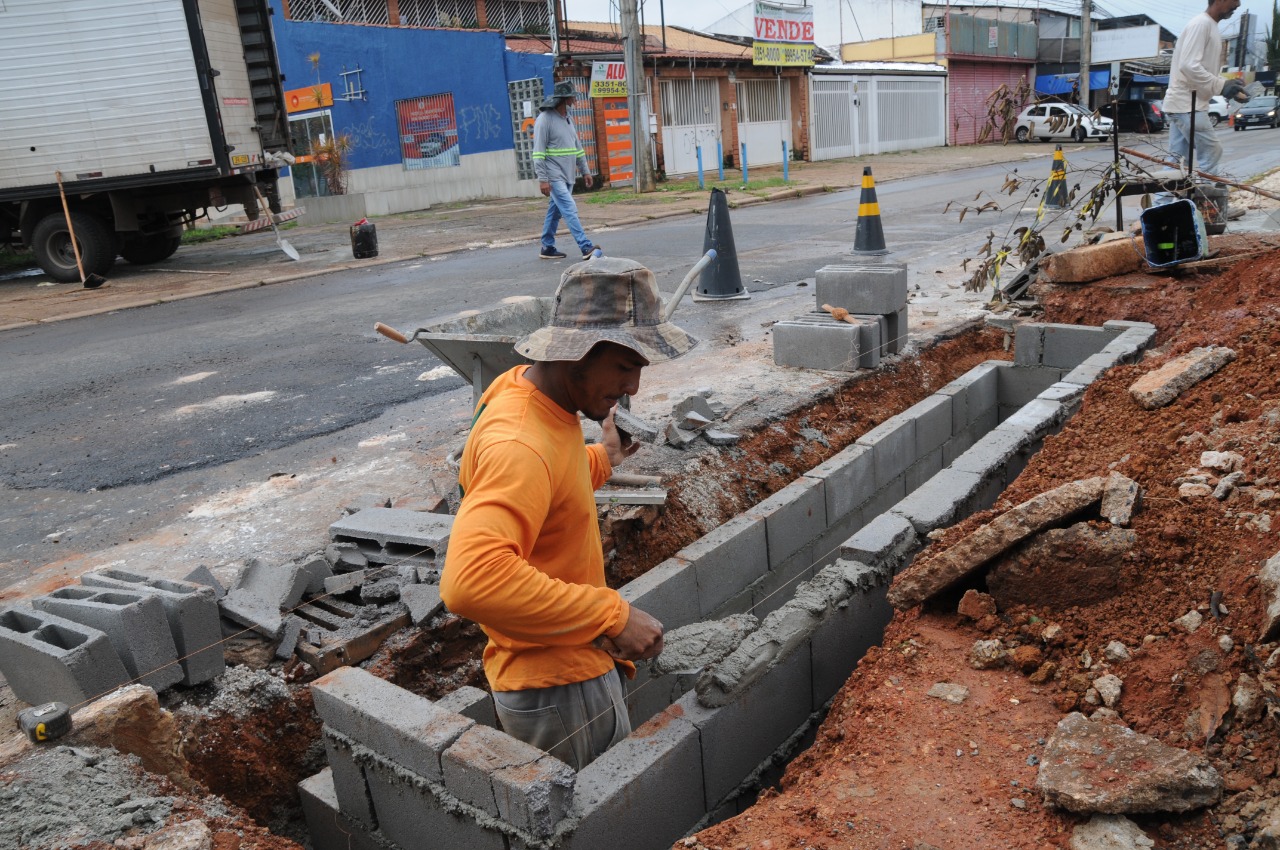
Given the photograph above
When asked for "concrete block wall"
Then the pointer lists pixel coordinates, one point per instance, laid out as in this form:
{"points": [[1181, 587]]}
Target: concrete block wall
{"points": [[851, 522]]}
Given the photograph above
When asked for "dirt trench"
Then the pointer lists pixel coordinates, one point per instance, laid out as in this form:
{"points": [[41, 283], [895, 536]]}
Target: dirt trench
{"points": [[894, 768]]}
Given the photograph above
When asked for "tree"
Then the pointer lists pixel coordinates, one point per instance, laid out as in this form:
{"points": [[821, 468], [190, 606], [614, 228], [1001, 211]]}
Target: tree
{"points": [[1273, 40]]}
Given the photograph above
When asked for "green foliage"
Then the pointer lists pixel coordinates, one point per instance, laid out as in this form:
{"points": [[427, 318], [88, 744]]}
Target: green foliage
{"points": [[209, 234], [14, 258], [1273, 42]]}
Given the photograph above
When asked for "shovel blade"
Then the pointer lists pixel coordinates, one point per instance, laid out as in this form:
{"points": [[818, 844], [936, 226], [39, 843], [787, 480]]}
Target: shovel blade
{"points": [[290, 251]]}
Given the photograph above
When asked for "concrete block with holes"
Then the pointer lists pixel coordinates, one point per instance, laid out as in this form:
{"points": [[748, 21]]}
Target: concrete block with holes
{"points": [[192, 612], [393, 535], [328, 825], [877, 289], [135, 623], [47, 658]]}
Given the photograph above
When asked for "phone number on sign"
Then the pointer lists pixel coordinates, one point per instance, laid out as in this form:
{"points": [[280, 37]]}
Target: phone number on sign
{"points": [[766, 53]]}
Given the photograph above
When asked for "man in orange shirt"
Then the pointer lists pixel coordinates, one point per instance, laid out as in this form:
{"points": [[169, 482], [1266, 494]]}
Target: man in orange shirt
{"points": [[525, 558]]}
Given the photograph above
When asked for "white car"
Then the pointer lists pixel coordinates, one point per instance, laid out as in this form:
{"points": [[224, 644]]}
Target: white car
{"points": [[1219, 109], [1050, 121]]}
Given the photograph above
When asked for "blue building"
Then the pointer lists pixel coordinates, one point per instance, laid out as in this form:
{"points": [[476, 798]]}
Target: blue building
{"points": [[426, 107]]}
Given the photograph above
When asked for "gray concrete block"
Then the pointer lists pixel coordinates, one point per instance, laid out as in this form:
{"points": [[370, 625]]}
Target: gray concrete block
{"points": [[46, 658], [933, 422], [423, 601], [349, 785], [897, 330], [1067, 346], [645, 792], [508, 778], [727, 559], [973, 392], [1028, 344], [1089, 371], [991, 455], [942, 501], [1020, 384], [399, 726], [327, 826], [805, 345], [398, 532], [649, 694], [847, 632], [1138, 329], [873, 334], [668, 591], [878, 289], [793, 516], [850, 479], [893, 445], [336, 585], [202, 576], [1038, 417], [290, 634], [317, 568], [827, 547], [922, 470], [1068, 395], [135, 623], [777, 588], [737, 737], [473, 703], [885, 498], [883, 542], [411, 816], [261, 592], [192, 613]]}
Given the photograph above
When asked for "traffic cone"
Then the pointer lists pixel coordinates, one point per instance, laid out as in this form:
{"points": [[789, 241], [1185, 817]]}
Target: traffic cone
{"points": [[868, 239], [1055, 196], [720, 280]]}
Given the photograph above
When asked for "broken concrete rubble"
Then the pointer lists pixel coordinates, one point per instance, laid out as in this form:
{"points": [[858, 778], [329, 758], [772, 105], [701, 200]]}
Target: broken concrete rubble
{"points": [[1090, 767], [1160, 387], [1087, 263], [261, 592], [1109, 832]]}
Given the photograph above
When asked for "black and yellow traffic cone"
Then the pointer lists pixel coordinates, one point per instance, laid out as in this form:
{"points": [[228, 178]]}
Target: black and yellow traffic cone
{"points": [[868, 239], [720, 280], [1055, 196]]}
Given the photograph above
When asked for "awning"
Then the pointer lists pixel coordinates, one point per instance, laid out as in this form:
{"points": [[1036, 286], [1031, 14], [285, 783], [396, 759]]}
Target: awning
{"points": [[1162, 79], [1061, 83]]}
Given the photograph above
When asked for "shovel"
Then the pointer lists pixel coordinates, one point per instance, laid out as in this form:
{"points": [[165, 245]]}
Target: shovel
{"points": [[93, 281], [290, 251]]}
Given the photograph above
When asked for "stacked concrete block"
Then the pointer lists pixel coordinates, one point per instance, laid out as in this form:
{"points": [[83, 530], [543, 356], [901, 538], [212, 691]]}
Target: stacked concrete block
{"points": [[529, 789], [47, 658], [668, 591], [875, 290], [1019, 385], [329, 827], [395, 535], [849, 630], [135, 623], [850, 479], [192, 612], [893, 447], [472, 703], [727, 559], [822, 342]]}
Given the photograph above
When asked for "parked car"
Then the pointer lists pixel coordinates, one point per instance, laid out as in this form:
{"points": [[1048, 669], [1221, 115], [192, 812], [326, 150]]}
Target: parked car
{"points": [[1049, 121], [1219, 109], [1259, 112], [1140, 116]]}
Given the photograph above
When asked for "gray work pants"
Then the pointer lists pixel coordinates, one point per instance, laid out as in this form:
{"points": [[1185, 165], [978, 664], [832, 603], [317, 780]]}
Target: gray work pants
{"points": [[575, 723]]}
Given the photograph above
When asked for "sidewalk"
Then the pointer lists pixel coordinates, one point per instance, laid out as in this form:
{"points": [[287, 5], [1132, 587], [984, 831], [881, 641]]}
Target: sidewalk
{"points": [[254, 259]]}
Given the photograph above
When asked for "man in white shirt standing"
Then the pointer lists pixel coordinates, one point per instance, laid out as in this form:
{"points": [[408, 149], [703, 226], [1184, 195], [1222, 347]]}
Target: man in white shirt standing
{"points": [[1194, 68]]}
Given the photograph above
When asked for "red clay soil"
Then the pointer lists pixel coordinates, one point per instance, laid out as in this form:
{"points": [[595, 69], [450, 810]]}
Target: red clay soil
{"points": [[894, 768]]}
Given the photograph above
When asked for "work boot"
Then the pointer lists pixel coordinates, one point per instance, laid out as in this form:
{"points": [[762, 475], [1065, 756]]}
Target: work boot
{"points": [[551, 254]]}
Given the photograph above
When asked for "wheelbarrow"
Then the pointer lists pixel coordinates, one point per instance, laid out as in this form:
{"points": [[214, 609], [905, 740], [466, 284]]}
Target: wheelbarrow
{"points": [[480, 347]]}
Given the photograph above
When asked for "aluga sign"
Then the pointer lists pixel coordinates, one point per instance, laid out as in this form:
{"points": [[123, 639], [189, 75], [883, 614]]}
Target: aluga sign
{"points": [[783, 35]]}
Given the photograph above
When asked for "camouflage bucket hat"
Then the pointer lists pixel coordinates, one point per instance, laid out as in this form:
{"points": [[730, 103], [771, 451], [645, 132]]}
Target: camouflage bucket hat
{"points": [[562, 90], [606, 299]]}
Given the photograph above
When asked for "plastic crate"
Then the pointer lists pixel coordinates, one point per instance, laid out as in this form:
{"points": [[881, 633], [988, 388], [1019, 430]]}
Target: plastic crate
{"points": [[1173, 233]]}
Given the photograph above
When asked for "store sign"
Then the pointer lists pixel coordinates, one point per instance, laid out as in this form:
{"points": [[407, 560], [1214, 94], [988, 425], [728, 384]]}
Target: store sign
{"points": [[608, 79], [783, 35], [311, 97]]}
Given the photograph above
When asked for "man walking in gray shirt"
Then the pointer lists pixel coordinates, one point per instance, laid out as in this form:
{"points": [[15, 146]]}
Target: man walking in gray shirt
{"points": [[557, 158], [1194, 68]]}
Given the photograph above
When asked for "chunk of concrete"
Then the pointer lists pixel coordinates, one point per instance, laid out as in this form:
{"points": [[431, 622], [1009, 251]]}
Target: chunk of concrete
{"points": [[634, 425], [192, 613], [423, 601], [693, 404], [1109, 832], [1093, 262], [1120, 498], [261, 591], [678, 437], [1269, 577], [832, 346], [720, 438], [46, 658], [1160, 387], [202, 575], [929, 576], [135, 623]]}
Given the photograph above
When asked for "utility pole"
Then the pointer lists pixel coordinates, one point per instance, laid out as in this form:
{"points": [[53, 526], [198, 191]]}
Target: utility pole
{"points": [[632, 42], [1086, 50]]}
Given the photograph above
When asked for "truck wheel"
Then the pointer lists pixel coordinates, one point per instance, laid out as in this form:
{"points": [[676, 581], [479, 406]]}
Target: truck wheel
{"points": [[143, 250], [52, 245]]}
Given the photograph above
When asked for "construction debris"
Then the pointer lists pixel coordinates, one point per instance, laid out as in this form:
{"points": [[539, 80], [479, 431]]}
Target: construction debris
{"points": [[1158, 388], [1088, 263]]}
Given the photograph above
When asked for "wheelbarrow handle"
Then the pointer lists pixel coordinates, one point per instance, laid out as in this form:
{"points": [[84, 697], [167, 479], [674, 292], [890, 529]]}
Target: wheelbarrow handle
{"points": [[390, 332]]}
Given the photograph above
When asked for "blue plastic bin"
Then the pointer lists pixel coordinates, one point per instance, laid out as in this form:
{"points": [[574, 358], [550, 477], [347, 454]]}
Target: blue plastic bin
{"points": [[1173, 233]]}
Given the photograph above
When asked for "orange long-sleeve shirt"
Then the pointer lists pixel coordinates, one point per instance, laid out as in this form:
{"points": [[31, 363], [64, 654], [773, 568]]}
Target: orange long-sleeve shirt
{"points": [[524, 558]]}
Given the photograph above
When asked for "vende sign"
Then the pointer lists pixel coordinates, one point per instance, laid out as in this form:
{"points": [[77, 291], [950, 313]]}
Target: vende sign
{"points": [[784, 23], [784, 35]]}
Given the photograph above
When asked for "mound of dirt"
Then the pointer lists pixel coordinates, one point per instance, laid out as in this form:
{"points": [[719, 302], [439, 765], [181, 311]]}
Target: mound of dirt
{"points": [[1166, 643]]}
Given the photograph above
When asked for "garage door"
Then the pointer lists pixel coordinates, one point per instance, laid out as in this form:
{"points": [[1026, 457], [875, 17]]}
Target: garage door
{"points": [[764, 120], [690, 118]]}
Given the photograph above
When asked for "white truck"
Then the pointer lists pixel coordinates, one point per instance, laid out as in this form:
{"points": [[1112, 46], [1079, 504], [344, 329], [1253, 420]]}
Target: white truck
{"points": [[149, 112]]}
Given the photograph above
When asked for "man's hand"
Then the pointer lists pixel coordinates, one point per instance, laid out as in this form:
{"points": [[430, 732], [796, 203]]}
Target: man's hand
{"points": [[587, 180], [641, 638], [545, 188], [618, 448], [1234, 90]]}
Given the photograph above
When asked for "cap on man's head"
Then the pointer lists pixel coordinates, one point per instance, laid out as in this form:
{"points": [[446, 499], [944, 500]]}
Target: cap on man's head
{"points": [[606, 299], [562, 91]]}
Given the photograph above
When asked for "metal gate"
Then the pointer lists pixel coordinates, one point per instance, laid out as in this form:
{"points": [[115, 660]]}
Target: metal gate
{"points": [[834, 134], [764, 119], [970, 84], [690, 118], [872, 114]]}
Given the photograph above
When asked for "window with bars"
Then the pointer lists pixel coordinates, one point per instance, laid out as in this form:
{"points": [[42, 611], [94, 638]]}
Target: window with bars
{"points": [[439, 13], [518, 16], [689, 102], [763, 100], [340, 11]]}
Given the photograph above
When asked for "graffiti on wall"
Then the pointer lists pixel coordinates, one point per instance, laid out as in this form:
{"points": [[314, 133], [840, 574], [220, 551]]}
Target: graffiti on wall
{"points": [[364, 136], [480, 123]]}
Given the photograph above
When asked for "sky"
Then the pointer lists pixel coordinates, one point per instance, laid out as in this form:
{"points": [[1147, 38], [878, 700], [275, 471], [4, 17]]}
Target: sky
{"points": [[1171, 14]]}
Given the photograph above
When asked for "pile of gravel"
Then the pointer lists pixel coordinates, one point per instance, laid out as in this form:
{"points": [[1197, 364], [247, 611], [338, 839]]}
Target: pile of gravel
{"points": [[65, 796]]}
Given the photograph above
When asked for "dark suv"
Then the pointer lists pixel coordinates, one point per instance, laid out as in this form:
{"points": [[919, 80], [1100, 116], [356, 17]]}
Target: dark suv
{"points": [[1141, 116]]}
